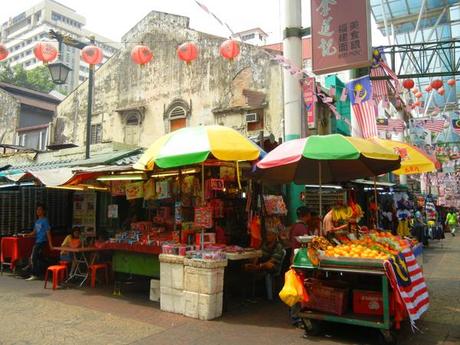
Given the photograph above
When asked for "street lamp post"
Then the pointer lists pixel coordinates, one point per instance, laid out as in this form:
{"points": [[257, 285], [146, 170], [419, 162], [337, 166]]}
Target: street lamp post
{"points": [[59, 72]]}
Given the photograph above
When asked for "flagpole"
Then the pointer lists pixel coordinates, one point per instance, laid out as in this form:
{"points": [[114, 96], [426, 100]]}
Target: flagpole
{"points": [[428, 103]]}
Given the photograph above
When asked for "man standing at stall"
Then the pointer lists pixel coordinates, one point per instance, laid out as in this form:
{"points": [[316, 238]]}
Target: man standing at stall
{"points": [[42, 235]]}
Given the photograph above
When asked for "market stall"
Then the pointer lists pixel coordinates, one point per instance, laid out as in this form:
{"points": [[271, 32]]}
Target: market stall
{"points": [[351, 258]]}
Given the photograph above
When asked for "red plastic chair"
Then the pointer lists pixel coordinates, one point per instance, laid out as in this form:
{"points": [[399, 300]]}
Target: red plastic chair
{"points": [[66, 264], [93, 271], [58, 272]]}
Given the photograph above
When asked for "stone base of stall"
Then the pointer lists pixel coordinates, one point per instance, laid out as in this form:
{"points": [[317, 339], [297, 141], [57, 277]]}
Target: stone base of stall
{"points": [[190, 287]]}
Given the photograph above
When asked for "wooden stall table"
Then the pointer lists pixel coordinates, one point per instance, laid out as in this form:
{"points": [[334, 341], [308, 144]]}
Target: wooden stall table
{"points": [[244, 255], [82, 259], [15, 248]]}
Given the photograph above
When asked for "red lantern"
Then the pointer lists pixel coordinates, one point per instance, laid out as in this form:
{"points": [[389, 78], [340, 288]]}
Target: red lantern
{"points": [[141, 55], [441, 91], [415, 90], [408, 84], [45, 52], [187, 52], [417, 104], [428, 88], [450, 82], [436, 84], [3, 52], [229, 49], [92, 55], [418, 95]]}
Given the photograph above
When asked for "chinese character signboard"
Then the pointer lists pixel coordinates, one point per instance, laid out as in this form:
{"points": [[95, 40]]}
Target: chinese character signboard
{"points": [[340, 35], [309, 99]]}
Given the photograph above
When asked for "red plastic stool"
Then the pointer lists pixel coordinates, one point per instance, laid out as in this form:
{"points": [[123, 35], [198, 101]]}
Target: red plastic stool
{"points": [[93, 270], [58, 271], [66, 264]]}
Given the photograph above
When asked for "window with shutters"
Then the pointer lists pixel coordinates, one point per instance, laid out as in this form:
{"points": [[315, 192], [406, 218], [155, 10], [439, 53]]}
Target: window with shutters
{"points": [[96, 133], [176, 115], [132, 129]]}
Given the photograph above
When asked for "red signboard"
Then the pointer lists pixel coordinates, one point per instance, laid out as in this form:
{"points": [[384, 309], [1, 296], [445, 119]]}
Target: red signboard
{"points": [[309, 99], [341, 36]]}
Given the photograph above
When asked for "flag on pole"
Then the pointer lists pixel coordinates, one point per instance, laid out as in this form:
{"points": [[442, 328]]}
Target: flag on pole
{"points": [[432, 125], [364, 107]]}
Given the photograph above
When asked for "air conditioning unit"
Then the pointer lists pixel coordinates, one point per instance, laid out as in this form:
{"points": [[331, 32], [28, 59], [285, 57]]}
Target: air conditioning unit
{"points": [[252, 117]]}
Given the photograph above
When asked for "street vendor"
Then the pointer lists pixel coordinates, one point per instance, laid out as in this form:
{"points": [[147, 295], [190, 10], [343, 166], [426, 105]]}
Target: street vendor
{"points": [[42, 235], [329, 226], [71, 241], [300, 227], [272, 255]]}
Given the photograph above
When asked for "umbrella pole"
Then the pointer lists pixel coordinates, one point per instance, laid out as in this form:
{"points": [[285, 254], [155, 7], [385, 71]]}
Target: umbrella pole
{"points": [[320, 198], [375, 200], [202, 203]]}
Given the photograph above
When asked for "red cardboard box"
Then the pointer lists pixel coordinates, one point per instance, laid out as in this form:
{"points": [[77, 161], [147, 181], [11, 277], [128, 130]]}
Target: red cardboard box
{"points": [[370, 302]]}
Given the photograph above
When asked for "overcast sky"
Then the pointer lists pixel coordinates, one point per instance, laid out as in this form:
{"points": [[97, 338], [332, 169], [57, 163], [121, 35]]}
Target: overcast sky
{"points": [[113, 18]]}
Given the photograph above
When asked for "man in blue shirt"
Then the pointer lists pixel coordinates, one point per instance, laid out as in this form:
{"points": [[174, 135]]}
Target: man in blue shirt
{"points": [[42, 235]]}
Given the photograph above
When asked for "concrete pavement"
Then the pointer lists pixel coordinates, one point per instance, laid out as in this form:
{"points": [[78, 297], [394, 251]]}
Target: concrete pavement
{"points": [[31, 315]]}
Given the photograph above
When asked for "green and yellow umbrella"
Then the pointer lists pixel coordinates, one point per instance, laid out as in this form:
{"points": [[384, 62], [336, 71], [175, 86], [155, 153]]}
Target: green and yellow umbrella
{"points": [[193, 145], [326, 159]]}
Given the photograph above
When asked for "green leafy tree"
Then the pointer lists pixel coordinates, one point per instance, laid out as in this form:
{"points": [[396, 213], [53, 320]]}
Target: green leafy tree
{"points": [[37, 79]]}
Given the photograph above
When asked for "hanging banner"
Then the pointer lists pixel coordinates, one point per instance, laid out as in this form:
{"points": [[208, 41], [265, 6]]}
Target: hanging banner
{"points": [[309, 99], [341, 37]]}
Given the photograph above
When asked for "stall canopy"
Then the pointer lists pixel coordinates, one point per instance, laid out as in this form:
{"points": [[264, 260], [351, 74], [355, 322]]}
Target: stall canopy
{"points": [[326, 159], [413, 160], [70, 171], [194, 145]]}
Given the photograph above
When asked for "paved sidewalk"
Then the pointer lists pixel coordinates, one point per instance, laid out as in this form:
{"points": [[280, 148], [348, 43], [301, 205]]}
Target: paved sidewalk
{"points": [[31, 315]]}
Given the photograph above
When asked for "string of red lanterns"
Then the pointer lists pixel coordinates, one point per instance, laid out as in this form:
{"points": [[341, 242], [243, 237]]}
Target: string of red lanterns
{"points": [[140, 54]]}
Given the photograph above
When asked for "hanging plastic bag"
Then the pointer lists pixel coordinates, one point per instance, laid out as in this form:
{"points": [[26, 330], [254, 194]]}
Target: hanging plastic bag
{"points": [[289, 294], [301, 290]]}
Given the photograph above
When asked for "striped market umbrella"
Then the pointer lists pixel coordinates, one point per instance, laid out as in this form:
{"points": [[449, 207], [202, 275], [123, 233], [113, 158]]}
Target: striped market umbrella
{"points": [[326, 159], [413, 160], [192, 145]]}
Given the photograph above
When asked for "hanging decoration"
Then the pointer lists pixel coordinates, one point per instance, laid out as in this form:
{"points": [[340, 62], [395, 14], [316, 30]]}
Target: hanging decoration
{"points": [[408, 84], [428, 88], [45, 52], [3, 52], [441, 91], [450, 82], [436, 84], [418, 95], [187, 52], [141, 54], [229, 49], [92, 55], [415, 90]]}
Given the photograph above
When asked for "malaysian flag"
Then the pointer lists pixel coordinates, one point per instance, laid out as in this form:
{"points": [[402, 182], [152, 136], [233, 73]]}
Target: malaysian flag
{"points": [[379, 87], [391, 125], [456, 125], [364, 107], [406, 277]]}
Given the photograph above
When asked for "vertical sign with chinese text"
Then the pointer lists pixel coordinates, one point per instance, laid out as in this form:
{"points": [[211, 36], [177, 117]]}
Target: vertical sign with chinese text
{"points": [[309, 99], [340, 35]]}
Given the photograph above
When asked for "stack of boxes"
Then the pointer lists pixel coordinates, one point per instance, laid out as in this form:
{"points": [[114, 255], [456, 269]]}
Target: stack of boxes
{"points": [[203, 288], [192, 287], [172, 283]]}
